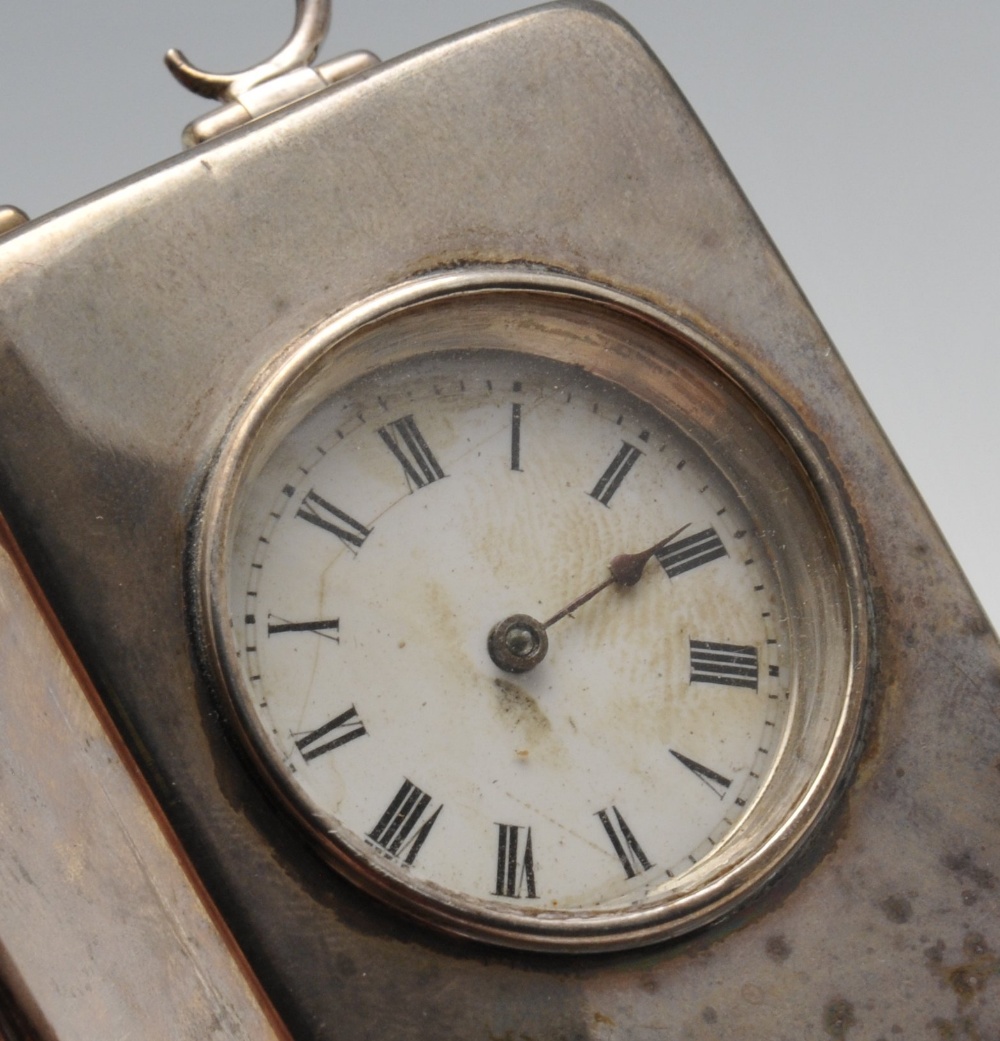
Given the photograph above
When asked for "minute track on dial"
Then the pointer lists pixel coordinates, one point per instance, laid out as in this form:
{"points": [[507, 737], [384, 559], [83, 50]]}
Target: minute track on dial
{"points": [[403, 815]]}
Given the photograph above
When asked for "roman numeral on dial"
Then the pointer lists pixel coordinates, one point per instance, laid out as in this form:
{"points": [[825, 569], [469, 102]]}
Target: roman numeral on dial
{"points": [[325, 515], [691, 552], [515, 436], [715, 781], [727, 664], [403, 829], [630, 853], [610, 481], [515, 862], [341, 729], [325, 627], [407, 444]]}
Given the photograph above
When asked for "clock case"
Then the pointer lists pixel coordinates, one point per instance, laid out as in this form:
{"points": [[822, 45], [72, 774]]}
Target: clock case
{"points": [[134, 324]]}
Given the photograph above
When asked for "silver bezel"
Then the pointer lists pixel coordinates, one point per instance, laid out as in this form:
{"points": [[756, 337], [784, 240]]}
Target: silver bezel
{"points": [[809, 769]]}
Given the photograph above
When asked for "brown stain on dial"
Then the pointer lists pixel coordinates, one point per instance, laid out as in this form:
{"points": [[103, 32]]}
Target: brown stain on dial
{"points": [[518, 708]]}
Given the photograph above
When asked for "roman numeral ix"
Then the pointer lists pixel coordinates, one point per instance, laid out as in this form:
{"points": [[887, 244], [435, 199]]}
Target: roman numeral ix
{"points": [[407, 444], [724, 663], [401, 829]]}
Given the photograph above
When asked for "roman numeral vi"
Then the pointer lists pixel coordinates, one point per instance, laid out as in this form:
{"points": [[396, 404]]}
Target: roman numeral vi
{"points": [[515, 863]]}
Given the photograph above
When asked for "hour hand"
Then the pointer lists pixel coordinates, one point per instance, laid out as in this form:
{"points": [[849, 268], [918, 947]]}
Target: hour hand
{"points": [[520, 642]]}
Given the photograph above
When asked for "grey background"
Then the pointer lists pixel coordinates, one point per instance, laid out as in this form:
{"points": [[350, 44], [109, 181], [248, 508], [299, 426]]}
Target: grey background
{"points": [[865, 135]]}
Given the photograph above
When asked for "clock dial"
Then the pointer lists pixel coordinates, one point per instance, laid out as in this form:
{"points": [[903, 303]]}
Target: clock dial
{"points": [[522, 635]]}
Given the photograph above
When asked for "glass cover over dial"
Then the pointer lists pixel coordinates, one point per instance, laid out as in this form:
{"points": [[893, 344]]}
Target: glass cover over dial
{"points": [[533, 618]]}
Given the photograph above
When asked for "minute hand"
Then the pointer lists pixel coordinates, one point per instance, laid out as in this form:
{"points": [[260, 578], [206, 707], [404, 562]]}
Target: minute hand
{"points": [[626, 570]]}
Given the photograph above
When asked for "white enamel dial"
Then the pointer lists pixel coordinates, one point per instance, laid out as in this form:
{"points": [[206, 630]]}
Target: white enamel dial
{"points": [[436, 516]]}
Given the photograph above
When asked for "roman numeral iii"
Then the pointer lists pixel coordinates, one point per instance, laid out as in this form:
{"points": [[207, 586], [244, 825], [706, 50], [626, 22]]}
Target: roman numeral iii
{"points": [[515, 862], [727, 664], [691, 552], [407, 444]]}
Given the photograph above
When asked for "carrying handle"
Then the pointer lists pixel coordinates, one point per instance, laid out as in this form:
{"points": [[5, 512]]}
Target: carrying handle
{"points": [[312, 20]]}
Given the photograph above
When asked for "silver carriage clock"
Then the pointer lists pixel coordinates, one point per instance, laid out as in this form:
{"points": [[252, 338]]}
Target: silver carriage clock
{"points": [[453, 589]]}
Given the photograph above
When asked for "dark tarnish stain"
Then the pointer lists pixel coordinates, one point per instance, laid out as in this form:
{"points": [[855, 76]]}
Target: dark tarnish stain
{"points": [[897, 909], [977, 625], [954, 1029], [346, 967], [970, 976], [520, 706], [599, 1017], [964, 866], [838, 1017], [709, 1014], [778, 948]]}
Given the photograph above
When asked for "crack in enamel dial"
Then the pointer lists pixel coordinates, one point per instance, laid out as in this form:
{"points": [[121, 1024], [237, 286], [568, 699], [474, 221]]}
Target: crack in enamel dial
{"points": [[409, 506]]}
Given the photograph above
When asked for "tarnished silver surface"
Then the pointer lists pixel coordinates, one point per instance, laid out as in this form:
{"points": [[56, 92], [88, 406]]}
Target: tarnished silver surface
{"points": [[274, 94], [285, 77], [133, 325], [102, 933]]}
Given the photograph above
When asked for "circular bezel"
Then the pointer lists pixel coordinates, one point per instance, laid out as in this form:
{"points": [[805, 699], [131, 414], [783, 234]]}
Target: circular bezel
{"points": [[827, 590]]}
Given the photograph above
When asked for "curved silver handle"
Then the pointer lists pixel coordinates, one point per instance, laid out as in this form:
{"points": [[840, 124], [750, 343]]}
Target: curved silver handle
{"points": [[312, 20]]}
